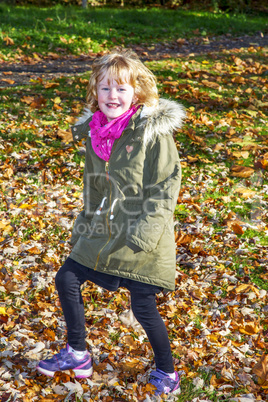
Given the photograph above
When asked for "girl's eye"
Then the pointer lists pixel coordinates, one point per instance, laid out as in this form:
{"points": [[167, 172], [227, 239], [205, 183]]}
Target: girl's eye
{"points": [[122, 89]]}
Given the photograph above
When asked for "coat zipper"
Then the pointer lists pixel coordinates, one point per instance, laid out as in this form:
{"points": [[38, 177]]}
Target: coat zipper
{"points": [[110, 233], [110, 202]]}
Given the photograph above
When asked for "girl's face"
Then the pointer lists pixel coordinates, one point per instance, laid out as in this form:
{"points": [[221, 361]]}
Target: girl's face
{"points": [[114, 99]]}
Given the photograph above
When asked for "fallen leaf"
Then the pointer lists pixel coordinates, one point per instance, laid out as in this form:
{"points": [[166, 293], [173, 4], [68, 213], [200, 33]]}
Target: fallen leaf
{"points": [[261, 371], [242, 171], [9, 41], [245, 192], [65, 135], [9, 81]]}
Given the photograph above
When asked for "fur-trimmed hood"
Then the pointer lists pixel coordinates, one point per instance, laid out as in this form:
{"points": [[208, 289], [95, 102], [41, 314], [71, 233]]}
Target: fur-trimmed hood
{"points": [[163, 119]]}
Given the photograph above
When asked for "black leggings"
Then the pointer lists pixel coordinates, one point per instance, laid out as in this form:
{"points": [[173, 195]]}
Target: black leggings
{"points": [[68, 282]]}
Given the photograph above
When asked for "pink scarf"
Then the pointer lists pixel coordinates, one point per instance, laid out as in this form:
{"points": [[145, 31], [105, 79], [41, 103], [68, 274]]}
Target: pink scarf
{"points": [[104, 134]]}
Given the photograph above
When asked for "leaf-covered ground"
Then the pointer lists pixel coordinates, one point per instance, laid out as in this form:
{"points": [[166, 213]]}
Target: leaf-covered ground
{"points": [[217, 317]]}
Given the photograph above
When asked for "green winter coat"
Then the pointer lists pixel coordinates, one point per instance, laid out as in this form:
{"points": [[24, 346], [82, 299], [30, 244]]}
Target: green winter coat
{"points": [[132, 199]]}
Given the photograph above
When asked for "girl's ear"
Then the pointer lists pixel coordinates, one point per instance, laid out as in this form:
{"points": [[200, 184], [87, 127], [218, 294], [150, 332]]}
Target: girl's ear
{"points": [[135, 99]]}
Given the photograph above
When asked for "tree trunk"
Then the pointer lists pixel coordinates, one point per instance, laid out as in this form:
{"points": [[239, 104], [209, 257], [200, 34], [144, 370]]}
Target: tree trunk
{"points": [[84, 3]]}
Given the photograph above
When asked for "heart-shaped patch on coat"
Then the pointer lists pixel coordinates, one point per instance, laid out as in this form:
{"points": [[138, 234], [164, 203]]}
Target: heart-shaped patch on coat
{"points": [[129, 148]]}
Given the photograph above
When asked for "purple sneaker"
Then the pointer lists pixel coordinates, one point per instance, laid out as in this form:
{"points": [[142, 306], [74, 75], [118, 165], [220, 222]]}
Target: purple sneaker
{"points": [[164, 383], [65, 360]]}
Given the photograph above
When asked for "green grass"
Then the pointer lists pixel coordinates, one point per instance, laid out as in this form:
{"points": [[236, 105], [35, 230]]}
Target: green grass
{"points": [[75, 30]]}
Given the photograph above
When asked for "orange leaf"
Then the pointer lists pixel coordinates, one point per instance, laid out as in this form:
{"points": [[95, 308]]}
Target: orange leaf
{"points": [[129, 341], [49, 334], [195, 138], [34, 250], [71, 119], [210, 84], [39, 102], [9, 41], [216, 382], [242, 171], [9, 81], [261, 370], [246, 288], [51, 85], [183, 238], [65, 135], [237, 228], [249, 328]]}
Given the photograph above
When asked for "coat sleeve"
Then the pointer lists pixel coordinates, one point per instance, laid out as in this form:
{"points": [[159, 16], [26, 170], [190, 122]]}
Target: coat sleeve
{"points": [[90, 193], [162, 178], [80, 130]]}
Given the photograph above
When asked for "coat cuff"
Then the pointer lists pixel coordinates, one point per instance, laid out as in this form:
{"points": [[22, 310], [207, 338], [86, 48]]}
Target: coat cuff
{"points": [[77, 134], [81, 130], [133, 247]]}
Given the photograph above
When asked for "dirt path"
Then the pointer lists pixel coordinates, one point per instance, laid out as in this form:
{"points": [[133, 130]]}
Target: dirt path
{"points": [[21, 73]]}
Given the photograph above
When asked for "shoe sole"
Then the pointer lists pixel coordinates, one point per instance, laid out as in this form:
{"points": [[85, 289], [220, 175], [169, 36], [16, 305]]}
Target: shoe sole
{"points": [[78, 373], [176, 391]]}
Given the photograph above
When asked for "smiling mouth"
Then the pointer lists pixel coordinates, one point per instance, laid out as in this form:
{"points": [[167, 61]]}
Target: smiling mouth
{"points": [[113, 105]]}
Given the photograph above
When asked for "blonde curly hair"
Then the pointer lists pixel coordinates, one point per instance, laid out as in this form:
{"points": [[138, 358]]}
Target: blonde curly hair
{"points": [[123, 66]]}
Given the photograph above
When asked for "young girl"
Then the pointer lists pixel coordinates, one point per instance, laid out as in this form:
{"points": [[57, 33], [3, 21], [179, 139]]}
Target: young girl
{"points": [[124, 236]]}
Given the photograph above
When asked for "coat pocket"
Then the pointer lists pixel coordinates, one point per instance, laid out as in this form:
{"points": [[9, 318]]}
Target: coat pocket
{"points": [[82, 226]]}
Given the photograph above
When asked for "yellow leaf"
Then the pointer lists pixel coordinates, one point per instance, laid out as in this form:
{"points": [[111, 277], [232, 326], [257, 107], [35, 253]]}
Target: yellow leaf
{"points": [[245, 192], [76, 194], [40, 142], [246, 288], [191, 374], [3, 311], [3, 224], [57, 100], [25, 206], [8, 229], [8, 173], [191, 159], [213, 338], [252, 113], [49, 122]]}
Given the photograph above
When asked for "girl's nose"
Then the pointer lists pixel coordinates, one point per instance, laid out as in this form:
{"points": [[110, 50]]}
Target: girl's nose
{"points": [[112, 93]]}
